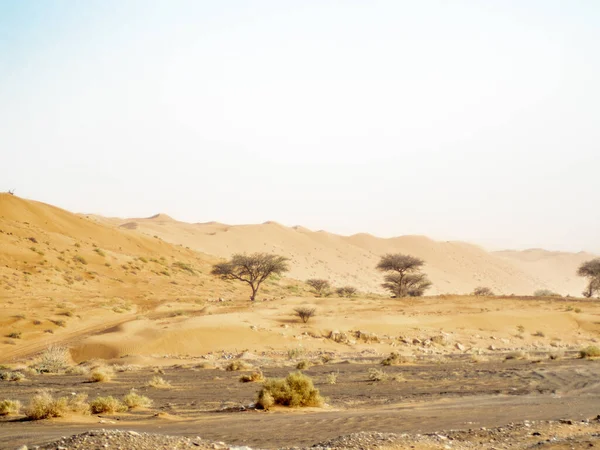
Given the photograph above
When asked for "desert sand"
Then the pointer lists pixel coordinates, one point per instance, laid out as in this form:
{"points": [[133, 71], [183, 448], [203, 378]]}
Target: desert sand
{"points": [[137, 296]]}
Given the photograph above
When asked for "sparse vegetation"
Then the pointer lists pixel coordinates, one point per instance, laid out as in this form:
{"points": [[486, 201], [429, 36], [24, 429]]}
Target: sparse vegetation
{"points": [[375, 374], [320, 287], [45, 406], [9, 407], [134, 400], [159, 383], [100, 252], [332, 377], [518, 354], [483, 291], [303, 365], [55, 359], [590, 352], [14, 335], [184, 266], [296, 390], [237, 364], [107, 405], [79, 259], [404, 277], [395, 359], [255, 377], [11, 376], [591, 271], [252, 269], [305, 313], [346, 291], [545, 293], [101, 375]]}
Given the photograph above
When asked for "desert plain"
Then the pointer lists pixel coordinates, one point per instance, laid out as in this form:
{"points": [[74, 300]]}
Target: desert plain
{"points": [[130, 306]]}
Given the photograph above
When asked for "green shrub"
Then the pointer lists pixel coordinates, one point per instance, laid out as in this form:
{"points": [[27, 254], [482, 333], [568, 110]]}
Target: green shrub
{"points": [[237, 364], [295, 390], [303, 365]]}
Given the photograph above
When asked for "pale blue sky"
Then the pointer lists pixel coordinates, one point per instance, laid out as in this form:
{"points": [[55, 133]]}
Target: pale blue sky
{"points": [[471, 120]]}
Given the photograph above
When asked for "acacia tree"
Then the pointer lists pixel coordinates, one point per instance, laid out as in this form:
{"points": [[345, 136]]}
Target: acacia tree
{"points": [[252, 269], [591, 271], [320, 286], [405, 278]]}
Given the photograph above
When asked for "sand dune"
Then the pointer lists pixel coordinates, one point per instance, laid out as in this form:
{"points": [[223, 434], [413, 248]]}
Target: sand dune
{"points": [[454, 267]]}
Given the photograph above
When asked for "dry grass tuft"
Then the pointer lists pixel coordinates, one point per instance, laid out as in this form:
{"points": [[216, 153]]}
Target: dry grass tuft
{"points": [[159, 383], [254, 377], [9, 407], [375, 374], [44, 406], [303, 365], [237, 365], [107, 405], [55, 359], [101, 375], [331, 378], [295, 390], [134, 400], [12, 376], [516, 355], [395, 359]]}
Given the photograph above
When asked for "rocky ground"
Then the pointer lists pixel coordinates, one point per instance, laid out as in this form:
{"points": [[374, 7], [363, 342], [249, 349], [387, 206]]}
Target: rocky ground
{"points": [[548, 435]]}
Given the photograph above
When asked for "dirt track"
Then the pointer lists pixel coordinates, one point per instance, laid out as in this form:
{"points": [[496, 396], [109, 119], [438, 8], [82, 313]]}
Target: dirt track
{"points": [[433, 397]]}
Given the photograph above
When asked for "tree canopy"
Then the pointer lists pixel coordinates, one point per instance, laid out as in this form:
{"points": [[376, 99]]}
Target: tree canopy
{"points": [[405, 278], [591, 271], [252, 269]]}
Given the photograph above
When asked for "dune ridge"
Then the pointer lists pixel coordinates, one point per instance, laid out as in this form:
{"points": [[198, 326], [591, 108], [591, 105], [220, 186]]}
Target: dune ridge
{"points": [[454, 267]]}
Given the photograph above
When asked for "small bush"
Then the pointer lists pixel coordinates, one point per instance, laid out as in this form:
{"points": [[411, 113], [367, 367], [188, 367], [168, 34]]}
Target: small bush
{"points": [[44, 406], [101, 375], [375, 374], [79, 259], [590, 352], [305, 313], [539, 334], [346, 291], [59, 322], [483, 291], [545, 293], [294, 353], [159, 383], [395, 359], [100, 252], [12, 376], [54, 359], [9, 407], [134, 400], [184, 266], [321, 287], [14, 335], [254, 377], [107, 405], [295, 390], [303, 365], [237, 364], [516, 355], [331, 378]]}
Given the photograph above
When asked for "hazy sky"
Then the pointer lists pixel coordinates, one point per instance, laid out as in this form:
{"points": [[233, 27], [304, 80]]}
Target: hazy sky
{"points": [[471, 120]]}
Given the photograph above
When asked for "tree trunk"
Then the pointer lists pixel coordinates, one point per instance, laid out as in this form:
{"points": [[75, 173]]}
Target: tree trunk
{"points": [[254, 290]]}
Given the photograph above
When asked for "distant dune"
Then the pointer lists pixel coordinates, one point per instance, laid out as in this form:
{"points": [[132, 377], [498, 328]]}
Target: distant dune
{"points": [[454, 267]]}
